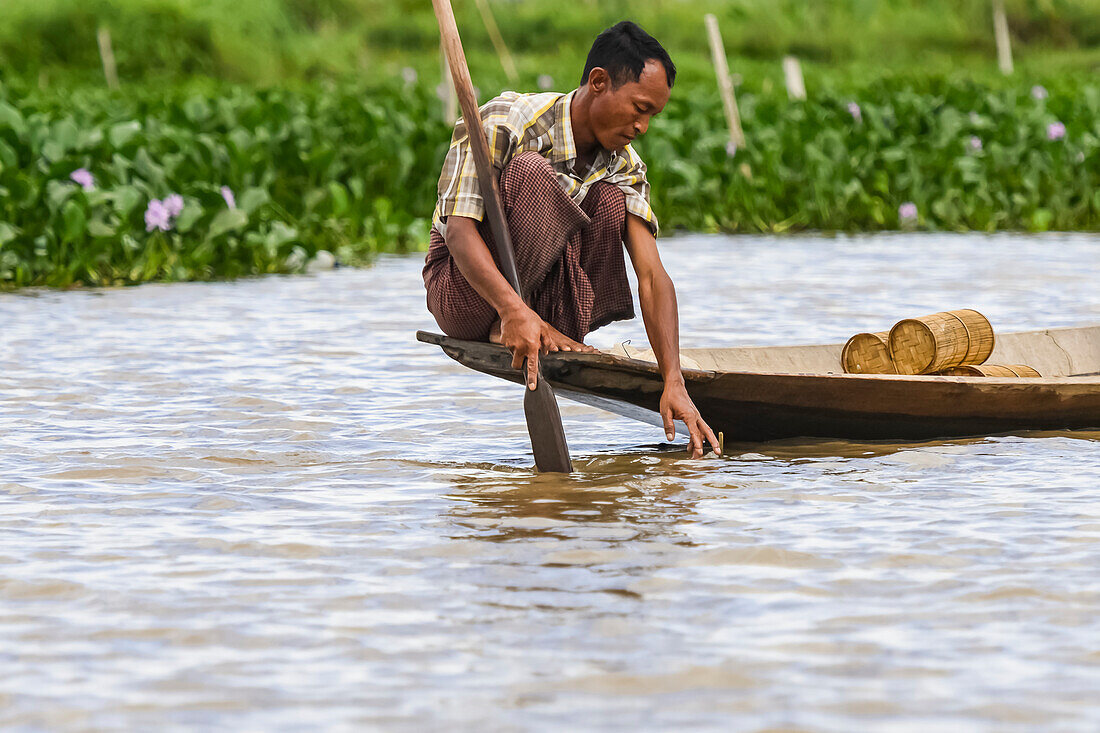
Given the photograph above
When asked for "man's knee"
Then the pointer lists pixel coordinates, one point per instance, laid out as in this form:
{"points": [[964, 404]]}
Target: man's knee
{"points": [[608, 196], [526, 168], [606, 205], [460, 312]]}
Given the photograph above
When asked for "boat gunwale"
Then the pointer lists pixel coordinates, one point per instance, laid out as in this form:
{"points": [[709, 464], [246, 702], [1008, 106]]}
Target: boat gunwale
{"points": [[605, 359]]}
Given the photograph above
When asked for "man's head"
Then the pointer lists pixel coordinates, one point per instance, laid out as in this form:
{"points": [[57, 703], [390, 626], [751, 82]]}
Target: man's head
{"points": [[629, 77]]}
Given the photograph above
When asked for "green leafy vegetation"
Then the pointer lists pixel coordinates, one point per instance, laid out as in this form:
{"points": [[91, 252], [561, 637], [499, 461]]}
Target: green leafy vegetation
{"points": [[353, 171], [967, 157], [333, 169], [249, 135]]}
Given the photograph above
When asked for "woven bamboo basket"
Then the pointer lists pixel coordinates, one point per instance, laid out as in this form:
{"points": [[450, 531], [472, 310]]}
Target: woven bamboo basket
{"points": [[939, 341], [991, 370], [868, 353]]}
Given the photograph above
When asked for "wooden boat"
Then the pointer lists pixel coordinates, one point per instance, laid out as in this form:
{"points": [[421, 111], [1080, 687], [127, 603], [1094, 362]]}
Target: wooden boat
{"points": [[771, 392]]}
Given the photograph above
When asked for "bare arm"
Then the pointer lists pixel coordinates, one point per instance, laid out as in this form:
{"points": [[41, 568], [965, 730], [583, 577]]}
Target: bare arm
{"points": [[662, 325], [476, 264], [521, 329]]}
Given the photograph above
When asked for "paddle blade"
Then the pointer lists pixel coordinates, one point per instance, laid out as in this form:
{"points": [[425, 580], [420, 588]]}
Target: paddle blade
{"points": [[540, 407]]}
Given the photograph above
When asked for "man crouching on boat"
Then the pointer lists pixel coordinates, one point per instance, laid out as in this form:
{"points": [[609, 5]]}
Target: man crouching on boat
{"points": [[574, 191]]}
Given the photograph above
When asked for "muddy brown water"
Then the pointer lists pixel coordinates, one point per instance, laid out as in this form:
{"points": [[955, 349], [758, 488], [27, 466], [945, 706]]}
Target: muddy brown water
{"points": [[262, 505]]}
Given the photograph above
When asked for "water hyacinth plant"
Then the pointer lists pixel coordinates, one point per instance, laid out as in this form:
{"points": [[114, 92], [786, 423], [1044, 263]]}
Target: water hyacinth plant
{"points": [[157, 217], [84, 178], [174, 204], [100, 189], [812, 168], [352, 169]]}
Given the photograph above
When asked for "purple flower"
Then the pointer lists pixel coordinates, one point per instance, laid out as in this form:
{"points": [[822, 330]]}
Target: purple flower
{"points": [[227, 194], [907, 212], [731, 148], [1056, 131], [157, 216], [84, 178], [975, 143], [174, 203], [1039, 92], [855, 111]]}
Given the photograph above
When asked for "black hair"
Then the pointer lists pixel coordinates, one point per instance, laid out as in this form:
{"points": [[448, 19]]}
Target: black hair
{"points": [[622, 50]]}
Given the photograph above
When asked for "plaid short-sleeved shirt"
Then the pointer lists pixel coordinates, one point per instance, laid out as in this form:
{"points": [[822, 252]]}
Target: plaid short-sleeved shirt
{"points": [[517, 123]]}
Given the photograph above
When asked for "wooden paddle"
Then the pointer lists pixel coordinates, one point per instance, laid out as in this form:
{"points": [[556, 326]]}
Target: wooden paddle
{"points": [[539, 405]]}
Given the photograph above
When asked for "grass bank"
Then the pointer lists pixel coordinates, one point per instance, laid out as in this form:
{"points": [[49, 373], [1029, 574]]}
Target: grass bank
{"points": [[271, 41]]}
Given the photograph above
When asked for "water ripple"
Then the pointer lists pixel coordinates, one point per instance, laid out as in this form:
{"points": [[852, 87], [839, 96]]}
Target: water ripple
{"points": [[263, 505]]}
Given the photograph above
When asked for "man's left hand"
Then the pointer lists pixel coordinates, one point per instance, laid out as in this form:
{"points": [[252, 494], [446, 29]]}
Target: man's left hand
{"points": [[676, 404]]}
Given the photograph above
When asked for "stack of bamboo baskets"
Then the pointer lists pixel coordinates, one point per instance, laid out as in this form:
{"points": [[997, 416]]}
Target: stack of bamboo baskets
{"points": [[950, 343]]}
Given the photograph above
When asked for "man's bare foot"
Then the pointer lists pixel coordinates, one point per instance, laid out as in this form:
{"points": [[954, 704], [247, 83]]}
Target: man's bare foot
{"points": [[494, 333]]}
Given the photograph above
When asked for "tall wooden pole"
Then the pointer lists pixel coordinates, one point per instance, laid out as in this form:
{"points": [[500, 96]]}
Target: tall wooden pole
{"points": [[107, 55], [1000, 33], [792, 76], [450, 103], [725, 85], [540, 406], [498, 41]]}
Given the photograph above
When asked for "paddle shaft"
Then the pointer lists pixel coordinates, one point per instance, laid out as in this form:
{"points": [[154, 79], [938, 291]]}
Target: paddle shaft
{"points": [[479, 144], [539, 405]]}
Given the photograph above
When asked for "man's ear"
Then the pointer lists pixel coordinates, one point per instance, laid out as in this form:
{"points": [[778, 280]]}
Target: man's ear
{"points": [[599, 80]]}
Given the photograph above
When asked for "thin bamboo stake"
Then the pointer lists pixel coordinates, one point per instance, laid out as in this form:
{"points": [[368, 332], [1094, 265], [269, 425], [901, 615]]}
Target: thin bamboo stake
{"points": [[498, 41], [725, 85], [110, 71], [1000, 32], [450, 101], [792, 76]]}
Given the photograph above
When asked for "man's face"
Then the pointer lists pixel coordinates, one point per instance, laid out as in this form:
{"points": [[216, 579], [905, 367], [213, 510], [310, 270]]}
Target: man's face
{"points": [[620, 115]]}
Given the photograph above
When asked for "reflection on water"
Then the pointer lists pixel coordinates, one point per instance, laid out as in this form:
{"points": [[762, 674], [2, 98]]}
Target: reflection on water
{"points": [[632, 494], [263, 505]]}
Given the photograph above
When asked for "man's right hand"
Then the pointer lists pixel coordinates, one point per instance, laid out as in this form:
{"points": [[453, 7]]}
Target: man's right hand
{"points": [[526, 335]]}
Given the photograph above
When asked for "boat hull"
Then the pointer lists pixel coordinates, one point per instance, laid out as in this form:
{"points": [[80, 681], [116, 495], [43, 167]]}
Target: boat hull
{"points": [[750, 406]]}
